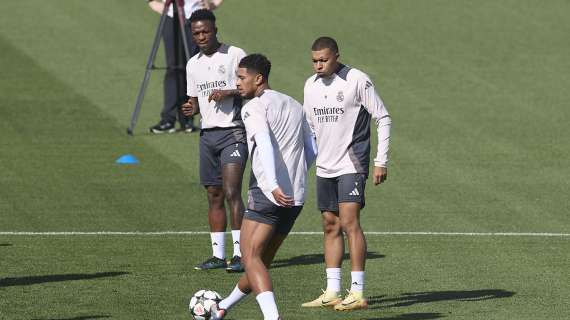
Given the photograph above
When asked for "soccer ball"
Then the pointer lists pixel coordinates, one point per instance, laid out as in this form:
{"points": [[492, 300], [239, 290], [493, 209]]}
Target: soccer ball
{"points": [[201, 303]]}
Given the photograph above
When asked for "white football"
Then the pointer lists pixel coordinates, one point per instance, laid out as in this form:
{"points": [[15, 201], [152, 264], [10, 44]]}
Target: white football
{"points": [[201, 303]]}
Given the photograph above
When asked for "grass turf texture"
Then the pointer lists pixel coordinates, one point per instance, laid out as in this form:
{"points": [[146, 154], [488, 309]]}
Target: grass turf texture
{"points": [[411, 278], [478, 95]]}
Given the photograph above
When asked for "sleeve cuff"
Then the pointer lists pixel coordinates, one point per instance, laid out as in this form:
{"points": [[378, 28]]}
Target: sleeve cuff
{"points": [[382, 164]]}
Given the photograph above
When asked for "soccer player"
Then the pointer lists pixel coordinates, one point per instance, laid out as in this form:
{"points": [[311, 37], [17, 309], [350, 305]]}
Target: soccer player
{"points": [[282, 148], [339, 102], [211, 79], [174, 77]]}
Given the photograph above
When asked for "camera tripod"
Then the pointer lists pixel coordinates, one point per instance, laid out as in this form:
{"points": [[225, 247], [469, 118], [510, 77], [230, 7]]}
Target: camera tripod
{"points": [[179, 32]]}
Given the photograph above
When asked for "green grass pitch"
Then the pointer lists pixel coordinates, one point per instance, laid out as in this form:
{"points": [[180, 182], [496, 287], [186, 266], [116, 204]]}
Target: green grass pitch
{"points": [[478, 93]]}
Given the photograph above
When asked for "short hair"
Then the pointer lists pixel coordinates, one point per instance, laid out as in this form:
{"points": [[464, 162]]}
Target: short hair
{"points": [[201, 15], [258, 63], [324, 43]]}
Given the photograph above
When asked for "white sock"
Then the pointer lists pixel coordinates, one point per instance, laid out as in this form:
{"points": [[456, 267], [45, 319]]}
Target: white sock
{"points": [[266, 301], [232, 299], [357, 283], [218, 244], [235, 239], [333, 279]]}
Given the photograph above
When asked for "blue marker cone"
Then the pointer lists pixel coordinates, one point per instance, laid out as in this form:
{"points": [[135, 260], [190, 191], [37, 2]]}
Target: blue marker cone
{"points": [[127, 159]]}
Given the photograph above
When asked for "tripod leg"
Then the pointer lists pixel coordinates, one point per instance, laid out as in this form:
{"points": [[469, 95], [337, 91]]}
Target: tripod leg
{"points": [[149, 67], [180, 61], [182, 25]]}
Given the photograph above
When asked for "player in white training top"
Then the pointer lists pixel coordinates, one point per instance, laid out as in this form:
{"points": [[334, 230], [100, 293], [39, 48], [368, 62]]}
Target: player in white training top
{"points": [[211, 80], [340, 102], [281, 147]]}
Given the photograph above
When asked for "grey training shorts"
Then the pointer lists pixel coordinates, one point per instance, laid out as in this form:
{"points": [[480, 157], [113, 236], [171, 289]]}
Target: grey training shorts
{"points": [[262, 210], [344, 188], [220, 146]]}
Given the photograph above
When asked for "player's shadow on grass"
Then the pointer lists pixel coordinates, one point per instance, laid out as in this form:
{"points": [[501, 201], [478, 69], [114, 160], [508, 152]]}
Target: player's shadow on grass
{"points": [[77, 318], [408, 299], [27, 281], [5, 244], [412, 316], [316, 258]]}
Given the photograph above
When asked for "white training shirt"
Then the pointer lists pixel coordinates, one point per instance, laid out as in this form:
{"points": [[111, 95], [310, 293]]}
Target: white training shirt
{"points": [[189, 7], [339, 109], [282, 117], [217, 71]]}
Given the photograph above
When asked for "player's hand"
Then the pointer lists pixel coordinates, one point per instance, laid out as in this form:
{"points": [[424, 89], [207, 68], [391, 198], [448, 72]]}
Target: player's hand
{"points": [[210, 4], [217, 95], [156, 6], [282, 199], [188, 109], [206, 5], [380, 175]]}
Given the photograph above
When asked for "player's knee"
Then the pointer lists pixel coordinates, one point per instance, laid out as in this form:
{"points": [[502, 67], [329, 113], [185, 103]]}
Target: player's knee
{"points": [[331, 227], [214, 192], [215, 198], [245, 257], [232, 194], [351, 227], [248, 254]]}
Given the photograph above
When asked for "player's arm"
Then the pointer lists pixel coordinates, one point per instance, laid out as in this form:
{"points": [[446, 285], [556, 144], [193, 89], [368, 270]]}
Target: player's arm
{"points": [[310, 141], [309, 135], [267, 159], [375, 106], [219, 95], [255, 121], [191, 107]]}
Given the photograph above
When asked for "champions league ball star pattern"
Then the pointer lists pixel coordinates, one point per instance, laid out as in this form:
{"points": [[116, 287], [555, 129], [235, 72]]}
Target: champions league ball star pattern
{"points": [[201, 304]]}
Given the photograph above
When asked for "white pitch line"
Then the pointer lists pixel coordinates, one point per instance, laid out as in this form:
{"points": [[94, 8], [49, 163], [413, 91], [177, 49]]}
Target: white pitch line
{"points": [[380, 233]]}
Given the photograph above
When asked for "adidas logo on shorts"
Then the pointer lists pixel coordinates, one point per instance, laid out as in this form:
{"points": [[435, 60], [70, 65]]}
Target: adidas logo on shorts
{"points": [[354, 192], [235, 154]]}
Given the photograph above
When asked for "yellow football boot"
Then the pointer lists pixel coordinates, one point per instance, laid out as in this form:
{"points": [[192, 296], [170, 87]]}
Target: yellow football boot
{"points": [[327, 299], [354, 300]]}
